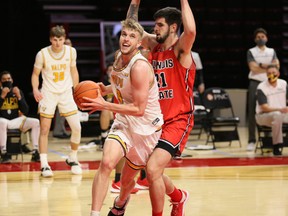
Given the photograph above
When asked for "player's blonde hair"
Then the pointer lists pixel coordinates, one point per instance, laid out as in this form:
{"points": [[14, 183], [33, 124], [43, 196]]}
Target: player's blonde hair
{"points": [[57, 31], [134, 25]]}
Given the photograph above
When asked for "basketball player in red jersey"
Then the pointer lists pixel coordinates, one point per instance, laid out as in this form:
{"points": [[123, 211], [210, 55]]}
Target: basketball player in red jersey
{"points": [[175, 72]]}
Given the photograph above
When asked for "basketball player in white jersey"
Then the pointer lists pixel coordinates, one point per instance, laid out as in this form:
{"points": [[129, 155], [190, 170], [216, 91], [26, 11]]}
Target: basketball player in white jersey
{"points": [[137, 125], [57, 63]]}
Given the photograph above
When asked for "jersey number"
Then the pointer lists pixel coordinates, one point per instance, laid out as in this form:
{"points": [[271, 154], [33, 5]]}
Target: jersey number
{"points": [[58, 76], [161, 80]]}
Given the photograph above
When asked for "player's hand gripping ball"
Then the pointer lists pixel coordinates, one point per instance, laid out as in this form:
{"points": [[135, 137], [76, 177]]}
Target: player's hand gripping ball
{"points": [[85, 88]]}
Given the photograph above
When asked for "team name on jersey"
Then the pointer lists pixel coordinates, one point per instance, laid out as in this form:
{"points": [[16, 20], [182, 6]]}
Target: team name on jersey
{"points": [[166, 94], [58, 67], [158, 65], [10, 103]]}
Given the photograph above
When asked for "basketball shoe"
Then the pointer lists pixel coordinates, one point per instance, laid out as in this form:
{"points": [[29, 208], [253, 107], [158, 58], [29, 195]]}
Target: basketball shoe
{"points": [[142, 184], [115, 210], [178, 207], [46, 172], [116, 186], [75, 167]]}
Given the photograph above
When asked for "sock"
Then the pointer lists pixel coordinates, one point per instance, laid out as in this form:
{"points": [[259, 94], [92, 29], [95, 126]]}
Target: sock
{"points": [[73, 155], [176, 195], [117, 177], [142, 174], [95, 213], [3, 149], [157, 214], [104, 133], [43, 159]]}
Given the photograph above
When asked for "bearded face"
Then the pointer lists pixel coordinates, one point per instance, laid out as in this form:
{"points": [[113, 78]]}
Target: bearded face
{"points": [[161, 38]]}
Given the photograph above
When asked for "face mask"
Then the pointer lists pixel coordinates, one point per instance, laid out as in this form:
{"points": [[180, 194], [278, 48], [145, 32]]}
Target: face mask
{"points": [[261, 42], [7, 84], [272, 78]]}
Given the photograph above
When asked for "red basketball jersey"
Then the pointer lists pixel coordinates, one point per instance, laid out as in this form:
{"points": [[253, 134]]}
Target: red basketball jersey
{"points": [[175, 83]]}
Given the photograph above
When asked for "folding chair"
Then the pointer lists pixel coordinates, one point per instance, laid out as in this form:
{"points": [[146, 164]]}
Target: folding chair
{"points": [[264, 142], [222, 124], [14, 143], [200, 114]]}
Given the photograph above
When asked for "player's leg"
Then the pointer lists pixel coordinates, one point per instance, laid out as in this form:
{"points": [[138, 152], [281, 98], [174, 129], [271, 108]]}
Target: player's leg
{"points": [[127, 185], [155, 167], [112, 153], [105, 118], [45, 124], [172, 142], [47, 108], [74, 124], [116, 185]]}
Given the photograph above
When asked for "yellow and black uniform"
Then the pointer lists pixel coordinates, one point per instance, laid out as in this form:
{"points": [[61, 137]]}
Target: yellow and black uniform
{"points": [[10, 106]]}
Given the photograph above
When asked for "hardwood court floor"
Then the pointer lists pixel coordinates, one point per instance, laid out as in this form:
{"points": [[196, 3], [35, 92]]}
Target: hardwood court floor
{"points": [[222, 182]]}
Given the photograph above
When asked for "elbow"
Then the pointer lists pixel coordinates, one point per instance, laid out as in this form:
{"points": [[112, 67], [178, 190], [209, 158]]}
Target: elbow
{"points": [[140, 113]]}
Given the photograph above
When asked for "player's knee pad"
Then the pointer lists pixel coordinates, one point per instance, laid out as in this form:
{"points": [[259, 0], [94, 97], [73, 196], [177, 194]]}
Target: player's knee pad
{"points": [[75, 126]]}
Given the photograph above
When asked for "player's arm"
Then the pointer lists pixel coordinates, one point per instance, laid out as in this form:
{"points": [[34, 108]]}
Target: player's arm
{"points": [[141, 74], [74, 75], [187, 38], [133, 9], [35, 84], [148, 40], [73, 68], [38, 65]]}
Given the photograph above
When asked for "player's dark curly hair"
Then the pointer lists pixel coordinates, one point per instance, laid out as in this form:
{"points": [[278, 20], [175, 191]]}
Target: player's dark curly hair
{"points": [[171, 14]]}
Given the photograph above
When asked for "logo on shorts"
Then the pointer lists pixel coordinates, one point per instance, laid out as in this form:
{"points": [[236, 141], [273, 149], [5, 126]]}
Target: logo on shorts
{"points": [[43, 108], [155, 122]]}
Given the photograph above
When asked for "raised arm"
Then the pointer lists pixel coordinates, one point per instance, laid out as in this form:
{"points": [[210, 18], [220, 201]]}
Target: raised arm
{"points": [[187, 37], [148, 40], [133, 9]]}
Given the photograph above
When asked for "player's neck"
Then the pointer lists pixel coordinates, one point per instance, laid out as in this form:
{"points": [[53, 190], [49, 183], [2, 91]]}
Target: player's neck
{"points": [[126, 58], [170, 41], [57, 50]]}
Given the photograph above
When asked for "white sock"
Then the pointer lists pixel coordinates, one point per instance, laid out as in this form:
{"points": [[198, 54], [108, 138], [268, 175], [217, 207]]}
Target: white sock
{"points": [[73, 155], [104, 134], [43, 159], [95, 213]]}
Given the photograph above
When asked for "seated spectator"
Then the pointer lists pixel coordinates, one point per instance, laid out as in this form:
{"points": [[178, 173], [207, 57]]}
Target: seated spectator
{"points": [[271, 108], [13, 111], [199, 80]]}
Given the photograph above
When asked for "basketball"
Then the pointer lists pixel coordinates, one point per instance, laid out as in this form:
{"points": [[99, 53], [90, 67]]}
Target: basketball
{"points": [[85, 88]]}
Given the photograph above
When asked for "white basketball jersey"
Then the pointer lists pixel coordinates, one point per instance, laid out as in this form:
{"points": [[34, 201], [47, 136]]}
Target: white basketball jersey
{"points": [[122, 89], [56, 71]]}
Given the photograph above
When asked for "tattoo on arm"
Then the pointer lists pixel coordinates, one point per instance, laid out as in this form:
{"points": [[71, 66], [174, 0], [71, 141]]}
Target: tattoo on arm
{"points": [[133, 12]]}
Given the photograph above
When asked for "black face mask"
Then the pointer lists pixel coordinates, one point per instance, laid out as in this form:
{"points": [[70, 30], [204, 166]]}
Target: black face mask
{"points": [[261, 42], [7, 84]]}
